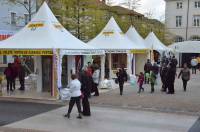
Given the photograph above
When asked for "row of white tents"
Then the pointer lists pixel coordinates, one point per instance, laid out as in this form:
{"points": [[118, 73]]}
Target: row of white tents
{"points": [[44, 32]]}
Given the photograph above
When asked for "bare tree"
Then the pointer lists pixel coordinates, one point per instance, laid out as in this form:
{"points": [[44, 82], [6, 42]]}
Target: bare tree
{"points": [[29, 5], [132, 5]]}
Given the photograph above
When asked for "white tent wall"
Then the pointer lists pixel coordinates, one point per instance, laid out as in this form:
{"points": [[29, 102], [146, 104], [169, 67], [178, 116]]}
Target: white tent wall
{"points": [[140, 62], [38, 70], [129, 63]]}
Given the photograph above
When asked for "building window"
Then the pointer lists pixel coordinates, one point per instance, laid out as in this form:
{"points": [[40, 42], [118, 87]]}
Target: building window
{"points": [[197, 4], [178, 21], [179, 39], [195, 38], [179, 5], [13, 18], [196, 20], [26, 19]]}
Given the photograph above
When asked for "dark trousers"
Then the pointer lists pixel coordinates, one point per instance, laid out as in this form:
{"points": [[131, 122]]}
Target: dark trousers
{"points": [[146, 80], [96, 90], [152, 88], [140, 88], [13, 83], [86, 106], [164, 85], [72, 101], [9, 84], [21, 81], [194, 70], [171, 88], [184, 84], [121, 87]]}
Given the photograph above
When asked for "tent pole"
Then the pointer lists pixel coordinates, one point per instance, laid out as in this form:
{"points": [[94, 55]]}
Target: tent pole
{"points": [[110, 65], [102, 67]]}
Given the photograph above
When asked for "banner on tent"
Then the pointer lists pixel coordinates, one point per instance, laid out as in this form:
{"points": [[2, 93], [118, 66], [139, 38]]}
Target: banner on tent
{"points": [[27, 52], [82, 52], [138, 51]]}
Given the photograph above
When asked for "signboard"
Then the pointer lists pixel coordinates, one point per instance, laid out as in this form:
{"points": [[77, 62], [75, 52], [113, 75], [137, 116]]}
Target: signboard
{"points": [[138, 51], [82, 52], [27, 52]]}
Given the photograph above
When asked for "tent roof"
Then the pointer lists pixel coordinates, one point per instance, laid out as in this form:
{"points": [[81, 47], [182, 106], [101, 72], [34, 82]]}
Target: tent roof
{"points": [[111, 38], [44, 32], [186, 47], [155, 43], [134, 36]]}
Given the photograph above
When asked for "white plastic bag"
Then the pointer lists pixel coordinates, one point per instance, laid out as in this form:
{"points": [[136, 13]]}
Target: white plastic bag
{"points": [[106, 84], [65, 94]]}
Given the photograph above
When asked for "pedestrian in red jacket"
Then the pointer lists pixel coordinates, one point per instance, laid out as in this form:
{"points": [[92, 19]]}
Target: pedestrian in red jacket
{"points": [[141, 82]]}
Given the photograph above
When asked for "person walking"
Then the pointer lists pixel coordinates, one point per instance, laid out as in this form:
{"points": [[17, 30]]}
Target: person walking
{"points": [[152, 81], [85, 89], [96, 79], [185, 75], [147, 69], [75, 91], [141, 81], [122, 77], [170, 76], [163, 71], [21, 74], [9, 77]]}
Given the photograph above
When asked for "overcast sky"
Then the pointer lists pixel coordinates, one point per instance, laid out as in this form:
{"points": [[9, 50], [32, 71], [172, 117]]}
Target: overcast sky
{"points": [[156, 7]]}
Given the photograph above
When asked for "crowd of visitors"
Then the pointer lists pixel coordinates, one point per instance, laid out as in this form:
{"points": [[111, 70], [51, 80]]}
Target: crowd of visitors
{"points": [[167, 69]]}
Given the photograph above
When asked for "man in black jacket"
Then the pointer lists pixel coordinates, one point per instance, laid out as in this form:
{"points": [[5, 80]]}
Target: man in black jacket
{"points": [[163, 72], [147, 69]]}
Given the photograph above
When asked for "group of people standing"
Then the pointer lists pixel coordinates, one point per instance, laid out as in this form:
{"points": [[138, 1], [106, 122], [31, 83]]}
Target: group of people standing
{"points": [[81, 88], [12, 72], [167, 70]]}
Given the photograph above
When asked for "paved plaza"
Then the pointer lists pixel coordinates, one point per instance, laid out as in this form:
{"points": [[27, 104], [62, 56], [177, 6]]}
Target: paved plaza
{"points": [[111, 112], [181, 102], [107, 120]]}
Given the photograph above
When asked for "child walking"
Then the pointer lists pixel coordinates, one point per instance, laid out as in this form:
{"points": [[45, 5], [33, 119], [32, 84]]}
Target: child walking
{"points": [[141, 82]]}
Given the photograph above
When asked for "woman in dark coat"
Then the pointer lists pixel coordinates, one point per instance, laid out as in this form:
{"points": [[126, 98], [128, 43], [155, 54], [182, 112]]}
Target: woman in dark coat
{"points": [[122, 77], [170, 76], [85, 89]]}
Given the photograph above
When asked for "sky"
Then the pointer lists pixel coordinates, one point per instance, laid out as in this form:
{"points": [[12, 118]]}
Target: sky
{"points": [[154, 7]]}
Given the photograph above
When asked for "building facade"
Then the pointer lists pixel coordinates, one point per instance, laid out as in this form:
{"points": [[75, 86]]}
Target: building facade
{"points": [[13, 17], [183, 19]]}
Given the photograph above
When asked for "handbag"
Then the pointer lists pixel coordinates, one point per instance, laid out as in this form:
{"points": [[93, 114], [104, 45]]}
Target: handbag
{"points": [[116, 81]]}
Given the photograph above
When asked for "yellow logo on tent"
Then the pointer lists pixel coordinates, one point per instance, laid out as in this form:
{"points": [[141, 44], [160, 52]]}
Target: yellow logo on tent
{"points": [[35, 25], [108, 33]]}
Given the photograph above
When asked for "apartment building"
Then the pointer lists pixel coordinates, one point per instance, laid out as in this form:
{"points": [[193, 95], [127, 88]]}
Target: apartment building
{"points": [[183, 19]]}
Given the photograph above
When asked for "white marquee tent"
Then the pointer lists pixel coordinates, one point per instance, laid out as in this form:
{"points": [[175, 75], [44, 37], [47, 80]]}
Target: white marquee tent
{"points": [[186, 47], [45, 32], [140, 58], [155, 44], [135, 37], [112, 40]]}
